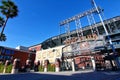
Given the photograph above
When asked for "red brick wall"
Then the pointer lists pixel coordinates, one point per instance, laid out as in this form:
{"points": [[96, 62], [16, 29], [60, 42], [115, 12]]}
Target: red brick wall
{"points": [[37, 48], [23, 56], [83, 61]]}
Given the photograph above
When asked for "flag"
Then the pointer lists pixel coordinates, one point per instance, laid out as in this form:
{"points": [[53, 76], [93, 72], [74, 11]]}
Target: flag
{"points": [[92, 1]]}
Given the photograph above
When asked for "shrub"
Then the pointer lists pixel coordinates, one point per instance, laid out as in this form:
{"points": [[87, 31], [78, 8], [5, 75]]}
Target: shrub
{"points": [[1, 68], [41, 68], [8, 68], [51, 68]]}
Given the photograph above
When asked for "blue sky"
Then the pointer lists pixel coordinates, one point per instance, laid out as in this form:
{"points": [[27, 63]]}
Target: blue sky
{"points": [[39, 20]]}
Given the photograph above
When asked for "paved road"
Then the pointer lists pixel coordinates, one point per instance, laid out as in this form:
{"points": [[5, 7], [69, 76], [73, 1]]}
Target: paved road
{"points": [[84, 75]]}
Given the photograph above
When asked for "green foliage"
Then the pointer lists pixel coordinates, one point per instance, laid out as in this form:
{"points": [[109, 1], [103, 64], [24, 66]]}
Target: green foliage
{"points": [[1, 68], [8, 68], [1, 21], [2, 37], [9, 9], [41, 68], [51, 68]]}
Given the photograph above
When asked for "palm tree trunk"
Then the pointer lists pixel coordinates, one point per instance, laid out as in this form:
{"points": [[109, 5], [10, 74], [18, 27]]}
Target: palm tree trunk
{"points": [[4, 26]]}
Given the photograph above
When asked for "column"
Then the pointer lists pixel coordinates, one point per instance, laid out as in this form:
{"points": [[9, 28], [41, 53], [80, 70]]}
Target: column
{"points": [[57, 65], [73, 65], [93, 63], [28, 65], [15, 66], [6, 64], [45, 65]]}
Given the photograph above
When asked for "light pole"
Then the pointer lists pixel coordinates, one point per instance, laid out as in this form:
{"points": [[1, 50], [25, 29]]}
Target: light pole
{"points": [[103, 26], [109, 39]]}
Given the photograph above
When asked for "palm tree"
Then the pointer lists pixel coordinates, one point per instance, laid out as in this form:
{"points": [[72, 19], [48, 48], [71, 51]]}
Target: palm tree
{"points": [[1, 21], [3, 37], [10, 10]]}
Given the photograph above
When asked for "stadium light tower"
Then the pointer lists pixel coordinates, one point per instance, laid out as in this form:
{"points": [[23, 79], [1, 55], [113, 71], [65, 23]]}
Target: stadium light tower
{"points": [[78, 24], [111, 44], [93, 2]]}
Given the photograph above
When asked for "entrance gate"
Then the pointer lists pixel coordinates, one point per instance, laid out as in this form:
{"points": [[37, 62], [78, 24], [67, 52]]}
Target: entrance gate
{"points": [[82, 44]]}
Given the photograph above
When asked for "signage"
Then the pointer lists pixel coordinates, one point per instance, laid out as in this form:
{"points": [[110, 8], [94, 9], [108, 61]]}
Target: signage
{"points": [[71, 40]]}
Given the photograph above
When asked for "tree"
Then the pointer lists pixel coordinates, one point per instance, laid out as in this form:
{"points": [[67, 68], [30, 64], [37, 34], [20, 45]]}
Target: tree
{"points": [[1, 21], [3, 37], [10, 10]]}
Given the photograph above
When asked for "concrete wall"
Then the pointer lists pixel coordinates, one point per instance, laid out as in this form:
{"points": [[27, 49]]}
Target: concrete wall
{"points": [[51, 54]]}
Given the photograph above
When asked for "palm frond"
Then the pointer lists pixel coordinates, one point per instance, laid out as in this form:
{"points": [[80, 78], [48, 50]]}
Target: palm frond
{"points": [[9, 9], [3, 37], [1, 21]]}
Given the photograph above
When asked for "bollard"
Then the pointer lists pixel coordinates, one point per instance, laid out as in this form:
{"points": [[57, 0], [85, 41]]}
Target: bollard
{"points": [[57, 65], [15, 66], [6, 64]]}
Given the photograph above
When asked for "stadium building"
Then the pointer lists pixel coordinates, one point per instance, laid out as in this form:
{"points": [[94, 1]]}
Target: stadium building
{"points": [[85, 48]]}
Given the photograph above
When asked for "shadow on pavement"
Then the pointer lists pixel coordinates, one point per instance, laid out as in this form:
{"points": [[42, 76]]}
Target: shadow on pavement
{"points": [[62, 76]]}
